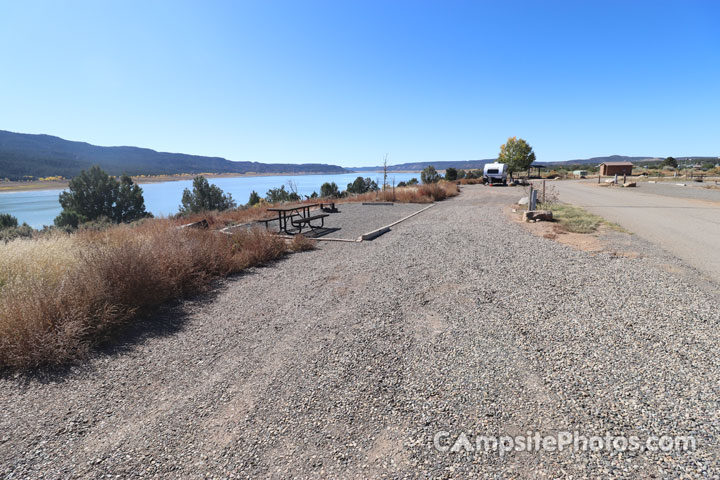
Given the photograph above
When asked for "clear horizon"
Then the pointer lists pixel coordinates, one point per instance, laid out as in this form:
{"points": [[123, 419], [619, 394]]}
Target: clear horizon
{"points": [[344, 84]]}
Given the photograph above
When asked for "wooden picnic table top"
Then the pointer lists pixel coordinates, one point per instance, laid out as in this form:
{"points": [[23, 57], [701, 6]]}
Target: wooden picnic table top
{"points": [[297, 206]]}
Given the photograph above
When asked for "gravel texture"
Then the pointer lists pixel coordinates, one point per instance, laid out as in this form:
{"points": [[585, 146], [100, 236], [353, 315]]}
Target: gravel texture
{"points": [[345, 361], [355, 219]]}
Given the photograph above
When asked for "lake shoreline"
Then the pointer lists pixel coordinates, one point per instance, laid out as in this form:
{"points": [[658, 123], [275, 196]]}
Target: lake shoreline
{"points": [[16, 186], [37, 202]]}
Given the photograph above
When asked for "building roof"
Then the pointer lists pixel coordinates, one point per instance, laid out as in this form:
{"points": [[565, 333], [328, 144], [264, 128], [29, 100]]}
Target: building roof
{"points": [[618, 164]]}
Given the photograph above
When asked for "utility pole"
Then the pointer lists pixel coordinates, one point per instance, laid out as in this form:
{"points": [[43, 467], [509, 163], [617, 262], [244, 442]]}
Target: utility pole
{"points": [[385, 160]]}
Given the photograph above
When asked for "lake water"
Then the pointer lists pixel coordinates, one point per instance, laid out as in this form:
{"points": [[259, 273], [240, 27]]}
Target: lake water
{"points": [[40, 207]]}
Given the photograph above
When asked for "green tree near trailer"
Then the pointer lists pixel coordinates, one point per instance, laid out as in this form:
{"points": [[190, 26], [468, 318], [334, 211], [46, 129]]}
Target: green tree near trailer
{"points": [[517, 154]]}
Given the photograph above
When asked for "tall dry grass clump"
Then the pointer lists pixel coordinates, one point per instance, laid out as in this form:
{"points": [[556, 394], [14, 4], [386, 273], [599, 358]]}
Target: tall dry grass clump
{"points": [[300, 243], [61, 295], [470, 181], [48, 257], [433, 192]]}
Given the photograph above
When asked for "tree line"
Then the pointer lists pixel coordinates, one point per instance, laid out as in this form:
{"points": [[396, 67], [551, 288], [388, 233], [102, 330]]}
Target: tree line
{"points": [[95, 196]]}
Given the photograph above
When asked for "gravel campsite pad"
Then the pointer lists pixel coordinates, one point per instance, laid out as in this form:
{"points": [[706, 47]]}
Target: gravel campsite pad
{"points": [[355, 219], [349, 360]]}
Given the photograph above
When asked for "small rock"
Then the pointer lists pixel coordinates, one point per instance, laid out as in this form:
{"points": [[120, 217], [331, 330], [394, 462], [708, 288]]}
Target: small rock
{"points": [[538, 215]]}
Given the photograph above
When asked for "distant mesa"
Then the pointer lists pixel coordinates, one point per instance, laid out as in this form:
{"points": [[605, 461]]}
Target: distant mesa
{"points": [[418, 166], [25, 155], [479, 164]]}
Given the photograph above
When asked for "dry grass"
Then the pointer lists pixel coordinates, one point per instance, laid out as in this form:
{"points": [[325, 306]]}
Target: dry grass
{"points": [[228, 217], [49, 257], [433, 192], [300, 243], [413, 194], [61, 295], [470, 181]]}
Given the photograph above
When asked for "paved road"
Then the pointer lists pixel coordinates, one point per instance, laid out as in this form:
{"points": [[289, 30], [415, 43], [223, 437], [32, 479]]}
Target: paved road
{"points": [[688, 228]]}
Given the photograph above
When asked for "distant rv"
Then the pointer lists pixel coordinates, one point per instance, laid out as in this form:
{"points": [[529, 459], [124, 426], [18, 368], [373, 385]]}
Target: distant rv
{"points": [[495, 173]]}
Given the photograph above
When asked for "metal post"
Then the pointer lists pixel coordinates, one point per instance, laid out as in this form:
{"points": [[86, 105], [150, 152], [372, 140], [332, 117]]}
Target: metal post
{"points": [[543, 197], [530, 197], [533, 200]]}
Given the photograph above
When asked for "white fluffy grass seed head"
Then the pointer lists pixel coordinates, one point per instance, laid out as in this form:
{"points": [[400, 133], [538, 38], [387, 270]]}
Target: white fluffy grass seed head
{"points": [[46, 259]]}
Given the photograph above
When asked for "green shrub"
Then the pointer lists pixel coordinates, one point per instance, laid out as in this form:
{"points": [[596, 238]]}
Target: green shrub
{"points": [[254, 198], [7, 221], [429, 175], [94, 194], [204, 197], [277, 195], [11, 233], [329, 189], [362, 185]]}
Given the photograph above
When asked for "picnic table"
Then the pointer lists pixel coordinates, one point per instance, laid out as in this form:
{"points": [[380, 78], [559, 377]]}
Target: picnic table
{"points": [[299, 217]]}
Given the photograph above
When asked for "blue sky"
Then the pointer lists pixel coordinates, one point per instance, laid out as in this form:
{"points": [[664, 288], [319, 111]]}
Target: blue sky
{"points": [[345, 82]]}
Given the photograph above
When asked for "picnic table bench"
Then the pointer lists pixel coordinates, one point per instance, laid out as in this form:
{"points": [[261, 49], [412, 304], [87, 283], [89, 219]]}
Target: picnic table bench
{"points": [[298, 217]]}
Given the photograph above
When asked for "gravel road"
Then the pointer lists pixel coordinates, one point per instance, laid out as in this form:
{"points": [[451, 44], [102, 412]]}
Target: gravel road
{"points": [[346, 361], [689, 227]]}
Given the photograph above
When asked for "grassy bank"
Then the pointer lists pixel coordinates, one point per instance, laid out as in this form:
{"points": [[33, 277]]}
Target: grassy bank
{"points": [[62, 294], [577, 220]]}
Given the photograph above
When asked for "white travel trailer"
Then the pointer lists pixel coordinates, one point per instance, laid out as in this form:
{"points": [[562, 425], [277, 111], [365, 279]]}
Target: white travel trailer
{"points": [[495, 173]]}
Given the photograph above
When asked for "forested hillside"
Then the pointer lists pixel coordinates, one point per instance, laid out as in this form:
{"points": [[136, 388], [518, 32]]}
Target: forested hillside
{"points": [[25, 155]]}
